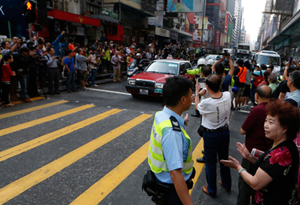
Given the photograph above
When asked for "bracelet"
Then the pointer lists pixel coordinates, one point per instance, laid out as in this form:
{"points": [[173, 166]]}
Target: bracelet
{"points": [[197, 95], [243, 169]]}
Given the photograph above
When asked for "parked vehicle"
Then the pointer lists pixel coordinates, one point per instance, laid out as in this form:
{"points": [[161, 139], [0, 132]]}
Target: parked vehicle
{"points": [[267, 58], [243, 52], [151, 81]]}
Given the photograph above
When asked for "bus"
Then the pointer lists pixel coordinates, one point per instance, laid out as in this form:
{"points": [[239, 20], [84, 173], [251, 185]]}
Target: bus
{"points": [[243, 52]]}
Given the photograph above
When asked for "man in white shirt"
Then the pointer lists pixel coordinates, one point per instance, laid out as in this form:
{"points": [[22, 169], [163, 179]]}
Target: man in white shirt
{"points": [[215, 112]]}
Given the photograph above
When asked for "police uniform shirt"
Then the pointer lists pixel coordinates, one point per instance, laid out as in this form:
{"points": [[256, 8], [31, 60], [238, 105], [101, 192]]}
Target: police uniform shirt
{"points": [[174, 145]]}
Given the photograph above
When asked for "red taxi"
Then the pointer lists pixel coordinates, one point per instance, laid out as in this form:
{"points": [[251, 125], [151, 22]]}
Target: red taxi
{"points": [[152, 80]]}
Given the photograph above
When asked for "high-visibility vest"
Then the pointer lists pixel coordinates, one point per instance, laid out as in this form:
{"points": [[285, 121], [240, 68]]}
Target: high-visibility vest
{"points": [[107, 55], [194, 71], [156, 159]]}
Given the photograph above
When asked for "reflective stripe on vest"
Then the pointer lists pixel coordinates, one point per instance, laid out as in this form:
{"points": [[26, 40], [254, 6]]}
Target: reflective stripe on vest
{"points": [[156, 156]]}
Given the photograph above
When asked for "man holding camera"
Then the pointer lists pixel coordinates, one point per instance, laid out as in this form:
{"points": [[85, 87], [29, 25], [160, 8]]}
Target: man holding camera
{"points": [[52, 70]]}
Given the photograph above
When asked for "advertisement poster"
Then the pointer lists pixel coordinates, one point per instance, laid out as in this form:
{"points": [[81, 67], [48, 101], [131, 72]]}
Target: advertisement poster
{"points": [[217, 38], [185, 6]]}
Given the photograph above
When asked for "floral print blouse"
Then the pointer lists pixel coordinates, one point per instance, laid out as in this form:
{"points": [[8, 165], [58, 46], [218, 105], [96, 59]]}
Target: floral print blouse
{"points": [[281, 164]]}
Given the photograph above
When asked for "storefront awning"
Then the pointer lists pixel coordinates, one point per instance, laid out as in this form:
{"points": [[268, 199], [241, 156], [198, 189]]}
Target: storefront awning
{"points": [[66, 16]]}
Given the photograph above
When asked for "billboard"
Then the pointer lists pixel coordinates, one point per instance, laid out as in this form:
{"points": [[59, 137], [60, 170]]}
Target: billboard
{"points": [[185, 6]]}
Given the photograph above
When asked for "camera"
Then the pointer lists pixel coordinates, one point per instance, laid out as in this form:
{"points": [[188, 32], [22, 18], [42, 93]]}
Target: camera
{"points": [[290, 60], [225, 53], [201, 80]]}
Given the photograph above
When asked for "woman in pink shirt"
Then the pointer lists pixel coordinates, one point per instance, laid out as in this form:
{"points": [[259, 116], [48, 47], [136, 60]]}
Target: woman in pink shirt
{"points": [[5, 79]]}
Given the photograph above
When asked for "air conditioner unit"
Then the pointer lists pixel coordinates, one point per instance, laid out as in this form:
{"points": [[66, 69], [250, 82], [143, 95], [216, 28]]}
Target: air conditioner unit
{"points": [[56, 4], [66, 6]]}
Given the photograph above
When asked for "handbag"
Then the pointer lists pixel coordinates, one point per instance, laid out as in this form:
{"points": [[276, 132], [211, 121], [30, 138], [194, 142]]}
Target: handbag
{"points": [[237, 79]]}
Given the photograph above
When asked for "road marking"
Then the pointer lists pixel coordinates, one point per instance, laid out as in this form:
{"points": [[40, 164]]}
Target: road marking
{"points": [[42, 120], [19, 112], [244, 111], [108, 91], [98, 191], [32, 99], [19, 186], [11, 152], [198, 166]]}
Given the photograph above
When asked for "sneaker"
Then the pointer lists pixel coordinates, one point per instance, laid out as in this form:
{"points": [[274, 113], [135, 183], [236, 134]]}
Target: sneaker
{"points": [[8, 105], [84, 88], [95, 85]]}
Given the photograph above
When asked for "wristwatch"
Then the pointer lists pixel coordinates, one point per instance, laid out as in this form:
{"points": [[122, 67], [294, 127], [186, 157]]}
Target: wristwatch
{"points": [[197, 94]]}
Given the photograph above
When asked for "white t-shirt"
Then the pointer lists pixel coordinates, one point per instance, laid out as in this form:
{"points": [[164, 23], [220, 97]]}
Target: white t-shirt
{"points": [[215, 112]]}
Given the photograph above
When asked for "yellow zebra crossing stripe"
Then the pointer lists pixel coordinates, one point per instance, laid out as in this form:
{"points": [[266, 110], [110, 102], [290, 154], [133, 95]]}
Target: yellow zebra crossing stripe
{"points": [[42, 120], [19, 112], [19, 186], [198, 166], [96, 193], [110, 181], [11, 152], [32, 99]]}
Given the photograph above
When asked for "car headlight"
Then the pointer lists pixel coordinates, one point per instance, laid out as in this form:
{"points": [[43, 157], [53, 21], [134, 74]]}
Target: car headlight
{"points": [[159, 85], [131, 82]]}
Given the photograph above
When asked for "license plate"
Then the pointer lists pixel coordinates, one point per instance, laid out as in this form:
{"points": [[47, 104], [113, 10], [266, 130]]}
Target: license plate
{"points": [[144, 92]]}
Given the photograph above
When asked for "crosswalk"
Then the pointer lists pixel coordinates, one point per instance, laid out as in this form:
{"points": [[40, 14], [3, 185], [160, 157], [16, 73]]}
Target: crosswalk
{"points": [[59, 110]]}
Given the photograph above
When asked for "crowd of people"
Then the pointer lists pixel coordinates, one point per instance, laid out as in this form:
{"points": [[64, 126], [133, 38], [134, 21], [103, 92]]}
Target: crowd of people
{"points": [[269, 170], [37, 64]]}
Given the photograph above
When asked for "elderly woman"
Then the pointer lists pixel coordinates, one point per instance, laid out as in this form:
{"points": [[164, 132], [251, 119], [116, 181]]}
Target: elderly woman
{"points": [[276, 177]]}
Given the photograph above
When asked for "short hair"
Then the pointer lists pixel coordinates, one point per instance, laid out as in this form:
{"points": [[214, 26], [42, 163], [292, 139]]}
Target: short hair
{"points": [[240, 62], [206, 70], [264, 91], [174, 88], [248, 65], [263, 67], [3, 44], [290, 70], [219, 68], [288, 116], [24, 50], [71, 40], [266, 75], [295, 78], [67, 52], [49, 49], [272, 67], [6, 57], [40, 41], [213, 81], [273, 78]]}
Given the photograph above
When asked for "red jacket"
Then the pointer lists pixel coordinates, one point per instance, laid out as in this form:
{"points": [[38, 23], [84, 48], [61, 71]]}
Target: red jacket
{"points": [[6, 73]]}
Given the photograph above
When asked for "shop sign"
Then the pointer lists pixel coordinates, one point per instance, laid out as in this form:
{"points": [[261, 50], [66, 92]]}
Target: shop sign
{"points": [[109, 13], [162, 32], [217, 38]]}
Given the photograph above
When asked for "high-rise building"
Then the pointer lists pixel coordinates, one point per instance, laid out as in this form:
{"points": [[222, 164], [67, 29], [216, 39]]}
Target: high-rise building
{"points": [[238, 20]]}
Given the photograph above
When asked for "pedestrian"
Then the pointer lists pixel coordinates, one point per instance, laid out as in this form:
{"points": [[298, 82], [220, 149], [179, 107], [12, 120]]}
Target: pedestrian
{"points": [[294, 85], [93, 66], [52, 70], [5, 79], [82, 66], [7, 48], [253, 128], [275, 181], [272, 79], [115, 60], [58, 47], [246, 94], [170, 149], [215, 113], [70, 66], [240, 79]]}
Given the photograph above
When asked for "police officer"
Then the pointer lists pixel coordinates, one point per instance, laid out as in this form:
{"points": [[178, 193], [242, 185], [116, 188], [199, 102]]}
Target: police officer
{"points": [[170, 150]]}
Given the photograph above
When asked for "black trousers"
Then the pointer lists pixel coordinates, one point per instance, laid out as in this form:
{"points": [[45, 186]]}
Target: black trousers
{"points": [[53, 76], [5, 93], [245, 191]]}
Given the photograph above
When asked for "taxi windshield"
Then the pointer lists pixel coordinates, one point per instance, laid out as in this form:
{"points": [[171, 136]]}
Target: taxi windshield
{"points": [[163, 67]]}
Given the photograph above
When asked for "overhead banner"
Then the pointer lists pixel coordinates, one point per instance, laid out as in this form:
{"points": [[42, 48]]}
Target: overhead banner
{"points": [[185, 6]]}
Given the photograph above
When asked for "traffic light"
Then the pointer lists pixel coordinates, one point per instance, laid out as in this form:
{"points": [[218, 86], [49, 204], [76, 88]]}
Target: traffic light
{"points": [[30, 11]]}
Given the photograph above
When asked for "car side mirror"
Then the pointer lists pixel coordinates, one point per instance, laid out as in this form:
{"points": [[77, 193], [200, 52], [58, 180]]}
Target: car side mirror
{"points": [[182, 72]]}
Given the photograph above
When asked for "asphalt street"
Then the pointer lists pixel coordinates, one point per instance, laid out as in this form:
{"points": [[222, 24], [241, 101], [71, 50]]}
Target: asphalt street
{"points": [[90, 147]]}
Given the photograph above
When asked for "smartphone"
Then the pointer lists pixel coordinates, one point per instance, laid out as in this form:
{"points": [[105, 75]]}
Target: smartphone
{"points": [[290, 60], [201, 80]]}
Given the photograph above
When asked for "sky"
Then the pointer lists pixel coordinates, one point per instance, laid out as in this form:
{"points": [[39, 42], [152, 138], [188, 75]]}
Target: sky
{"points": [[253, 15]]}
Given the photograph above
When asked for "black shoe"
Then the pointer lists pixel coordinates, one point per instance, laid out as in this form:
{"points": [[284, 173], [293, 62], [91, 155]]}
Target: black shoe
{"points": [[201, 160], [57, 92], [203, 151]]}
